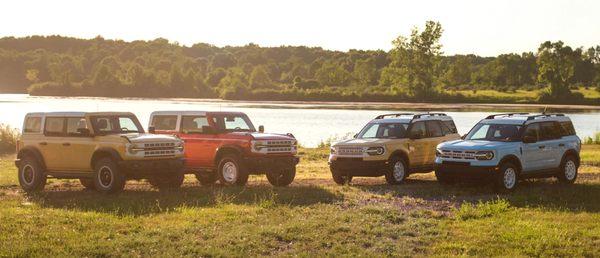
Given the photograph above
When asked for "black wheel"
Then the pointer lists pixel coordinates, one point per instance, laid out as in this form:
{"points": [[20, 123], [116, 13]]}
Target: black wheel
{"points": [[168, 181], [567, 173], [207, 178], [340, 177], [397, 172], [444, 179], [231, 172], [283, 177], [88, 183], [107, 177], [507, 177], [32, 176]]}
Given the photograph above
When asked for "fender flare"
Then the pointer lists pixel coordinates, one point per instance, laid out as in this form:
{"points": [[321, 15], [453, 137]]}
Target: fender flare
{"points": [[227, 148], [105, 151], [573, 153], [402, 154], [512, 158], [29, 150]]}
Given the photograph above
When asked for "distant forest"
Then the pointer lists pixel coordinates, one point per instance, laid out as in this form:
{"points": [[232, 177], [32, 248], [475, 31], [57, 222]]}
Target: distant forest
{"points": [[415, 69]]}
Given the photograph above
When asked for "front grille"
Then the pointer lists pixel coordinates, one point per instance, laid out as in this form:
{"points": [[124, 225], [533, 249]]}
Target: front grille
{"points": [[159, 145], [454, 154], [160, 149], [280, 146], [350, 151]]}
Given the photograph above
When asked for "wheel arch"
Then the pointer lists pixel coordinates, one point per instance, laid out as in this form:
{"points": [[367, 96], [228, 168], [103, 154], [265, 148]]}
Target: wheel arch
{"points": [[402, 154], [513, 159], [35, 153], [227, 149], [571, 152], [105, 152]]}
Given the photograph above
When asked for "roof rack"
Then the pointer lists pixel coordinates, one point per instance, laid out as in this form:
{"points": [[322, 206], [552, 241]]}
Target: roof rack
{"points": [[544, 116], [505, 114], [414, 116]]}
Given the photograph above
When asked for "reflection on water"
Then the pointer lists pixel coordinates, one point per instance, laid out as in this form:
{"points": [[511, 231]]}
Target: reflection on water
{"points": [[310, 123]]}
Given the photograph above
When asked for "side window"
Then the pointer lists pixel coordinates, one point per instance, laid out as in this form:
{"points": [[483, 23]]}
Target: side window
{"points": [[167, 123], [533, 130], [567, 128], [33, 125], [73, 124], [549, 131], [55, 126], [434, 129], [193, 123], [418, 130], [448, 127]]}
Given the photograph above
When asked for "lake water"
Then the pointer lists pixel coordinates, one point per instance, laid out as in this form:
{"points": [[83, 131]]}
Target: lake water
{"points": [[310, 123]]}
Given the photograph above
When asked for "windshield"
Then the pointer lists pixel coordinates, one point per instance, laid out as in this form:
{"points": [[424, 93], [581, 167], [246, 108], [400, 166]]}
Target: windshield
{"points": [[234, 123], [495, 132], [116, 124], [383, 130]]}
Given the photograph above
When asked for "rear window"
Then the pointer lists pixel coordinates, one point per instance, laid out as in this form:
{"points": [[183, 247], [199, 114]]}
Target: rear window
{"points": [[448, 127], [33, 125], [567, 128], [549, 131], [193, 124], [55, 126], [164, 122], [434, 129]]}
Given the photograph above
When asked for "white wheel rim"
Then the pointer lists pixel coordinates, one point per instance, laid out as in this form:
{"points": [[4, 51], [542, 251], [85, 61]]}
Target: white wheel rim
{"points": [[510, 178], [28, 174], [570, 170], [399, 171], [229, 172], [105, 177]]}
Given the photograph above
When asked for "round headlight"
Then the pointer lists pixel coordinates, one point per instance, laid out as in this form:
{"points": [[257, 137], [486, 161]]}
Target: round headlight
{"points": [[484, 155]]}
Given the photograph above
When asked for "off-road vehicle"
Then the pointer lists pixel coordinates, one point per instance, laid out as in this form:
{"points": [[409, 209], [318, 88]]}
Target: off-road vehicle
{"points": [[225, 146], [102, 150], [509, 147], [392, 145]]}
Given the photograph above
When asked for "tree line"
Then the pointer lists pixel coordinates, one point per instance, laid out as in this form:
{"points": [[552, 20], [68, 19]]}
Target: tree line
{"points": [[415, 69]]}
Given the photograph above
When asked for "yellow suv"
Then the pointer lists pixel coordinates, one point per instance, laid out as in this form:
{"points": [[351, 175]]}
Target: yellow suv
{"points": [[392, 145], [102, 150]]}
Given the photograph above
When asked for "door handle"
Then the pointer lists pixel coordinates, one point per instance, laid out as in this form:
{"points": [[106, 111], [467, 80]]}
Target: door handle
{"points": [[66, 144], [561, 145], [43, 143], [542, 147]]}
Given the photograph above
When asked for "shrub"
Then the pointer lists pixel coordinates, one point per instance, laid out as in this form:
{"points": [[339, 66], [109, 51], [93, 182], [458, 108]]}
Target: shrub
{"points": [[482, 209], [8, 139]]}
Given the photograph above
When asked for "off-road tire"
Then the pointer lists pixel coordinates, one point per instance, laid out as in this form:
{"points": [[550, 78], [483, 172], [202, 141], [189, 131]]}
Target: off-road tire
{"points": [[231, 171], [283, 177], [506, 178], [108, 179], [171, 180], [568, 171], [397, 171], [32, 176], [207, 178], [340, 178], [88, 183], [444, 179]]}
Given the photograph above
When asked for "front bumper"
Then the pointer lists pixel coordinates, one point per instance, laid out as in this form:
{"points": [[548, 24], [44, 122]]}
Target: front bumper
{"points": [[359, 167], [142, 167], [258, 165], [460, 169]]}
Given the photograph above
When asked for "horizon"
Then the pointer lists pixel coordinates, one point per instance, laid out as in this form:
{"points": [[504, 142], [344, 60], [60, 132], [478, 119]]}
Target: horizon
{"points": [[501, 27]]}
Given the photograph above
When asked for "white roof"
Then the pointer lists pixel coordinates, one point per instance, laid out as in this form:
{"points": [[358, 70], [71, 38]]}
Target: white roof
{"points": [[61, 114], [407, 118], [174, 113], [520, 119]]}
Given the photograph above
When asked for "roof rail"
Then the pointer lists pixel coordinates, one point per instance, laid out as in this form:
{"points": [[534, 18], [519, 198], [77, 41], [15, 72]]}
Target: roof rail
{"points": [[417, 116], [394, 115], [504, 114], [544, 115]]}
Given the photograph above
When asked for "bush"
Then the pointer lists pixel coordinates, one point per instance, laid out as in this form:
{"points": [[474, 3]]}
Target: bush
{"points": [[8, 139]]}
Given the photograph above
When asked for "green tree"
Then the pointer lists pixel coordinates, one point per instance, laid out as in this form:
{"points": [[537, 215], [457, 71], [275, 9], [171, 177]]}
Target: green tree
{"points": [[556, 64], [331, 74], [417, 56], [365, 72], [259, 78]]}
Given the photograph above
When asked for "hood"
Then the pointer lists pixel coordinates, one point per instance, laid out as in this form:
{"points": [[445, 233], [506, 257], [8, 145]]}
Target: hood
{"points": [[271, 136], [473, 145], [136, 138], [362, 142]]}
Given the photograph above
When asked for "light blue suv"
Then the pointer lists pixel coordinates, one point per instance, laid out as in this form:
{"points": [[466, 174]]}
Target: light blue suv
{"points": [[509, 147]]}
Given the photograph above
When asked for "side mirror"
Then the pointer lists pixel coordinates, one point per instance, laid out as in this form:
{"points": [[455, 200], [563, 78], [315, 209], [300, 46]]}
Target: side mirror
{"points": [[355, 136], [152, 129], [208, 130], [462, 137], [261, 128], [529, 139], [84, 131]]}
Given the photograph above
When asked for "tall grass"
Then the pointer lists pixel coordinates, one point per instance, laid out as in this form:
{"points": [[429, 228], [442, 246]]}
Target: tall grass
{"points": [[592, 140], [8, 139]]}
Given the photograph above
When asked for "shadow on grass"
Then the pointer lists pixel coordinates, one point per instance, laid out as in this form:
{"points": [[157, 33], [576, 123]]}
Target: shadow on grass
{"points": [[142, 202], [538, 193]]}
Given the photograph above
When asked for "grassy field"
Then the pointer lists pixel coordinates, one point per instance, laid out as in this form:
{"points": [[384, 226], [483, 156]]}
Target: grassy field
{"points": [[521, 96], [312, 217]]}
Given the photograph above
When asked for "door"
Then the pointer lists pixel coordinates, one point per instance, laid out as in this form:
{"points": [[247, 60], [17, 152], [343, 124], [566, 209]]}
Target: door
{"points": [[551, 135], [200, 146], [435, 136], [77, 146], [533, 153], [51, 146], [417, 144]]}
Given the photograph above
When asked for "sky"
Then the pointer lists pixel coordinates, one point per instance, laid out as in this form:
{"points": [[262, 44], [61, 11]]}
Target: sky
{"points": [[481, 27]]}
